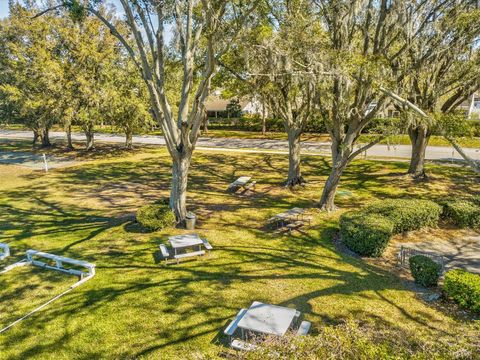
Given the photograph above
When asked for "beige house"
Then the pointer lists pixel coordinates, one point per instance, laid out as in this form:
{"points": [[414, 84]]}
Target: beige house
{"points": [[216, 106]]}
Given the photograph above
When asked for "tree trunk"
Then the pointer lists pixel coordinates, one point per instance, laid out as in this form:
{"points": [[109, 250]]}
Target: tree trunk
{"points": [[264, 119], [90, 140], [205, 126], [419, 137], [128, 140], [294, 175], [68, 131], [46, 138], [36, 136], [327, 201], [178, 192]]}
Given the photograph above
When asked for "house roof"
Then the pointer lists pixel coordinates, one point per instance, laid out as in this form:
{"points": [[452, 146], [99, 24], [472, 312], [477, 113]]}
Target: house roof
{"points": [[216, 103]]}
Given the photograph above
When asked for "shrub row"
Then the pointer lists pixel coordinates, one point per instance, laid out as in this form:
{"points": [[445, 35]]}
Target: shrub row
{"points": [[368, 231], [463, 212], [366, 234], [156, 216], [407, 215], [464, 288]]}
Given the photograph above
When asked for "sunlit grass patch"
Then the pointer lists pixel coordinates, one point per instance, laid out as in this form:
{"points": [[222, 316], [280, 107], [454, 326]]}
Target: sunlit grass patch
{"points": [[138, 307]]}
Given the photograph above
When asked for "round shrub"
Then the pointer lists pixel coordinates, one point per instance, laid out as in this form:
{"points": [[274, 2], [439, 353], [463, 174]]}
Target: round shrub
{"points": [[424, 270], [364, 233], [464, 288], [408, 214], [463, 212], [155, 216]]}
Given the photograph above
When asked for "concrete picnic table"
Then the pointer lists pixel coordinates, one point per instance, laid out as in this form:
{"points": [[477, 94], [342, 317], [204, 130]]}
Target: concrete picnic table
{"points": [[183, 241], [292, 214], [241, 181], [267, 319]]}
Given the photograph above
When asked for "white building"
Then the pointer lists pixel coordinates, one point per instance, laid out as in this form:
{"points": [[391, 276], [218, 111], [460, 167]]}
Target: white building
{"points": [[216, 106]]}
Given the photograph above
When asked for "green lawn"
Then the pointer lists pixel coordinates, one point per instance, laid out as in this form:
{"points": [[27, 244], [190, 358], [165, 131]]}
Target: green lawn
{"points": [[136, 307]]}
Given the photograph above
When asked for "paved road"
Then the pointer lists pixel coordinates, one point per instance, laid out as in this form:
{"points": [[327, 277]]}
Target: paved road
{"points": [[260, 145]]}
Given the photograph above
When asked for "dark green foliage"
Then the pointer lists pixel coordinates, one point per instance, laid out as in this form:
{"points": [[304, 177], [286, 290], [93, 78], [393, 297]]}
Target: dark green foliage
{"points": [[155, 216], [406, 214], [463, 212], [464, 288], [368, 231], [424, 270], [234, 109], [366, 234]]}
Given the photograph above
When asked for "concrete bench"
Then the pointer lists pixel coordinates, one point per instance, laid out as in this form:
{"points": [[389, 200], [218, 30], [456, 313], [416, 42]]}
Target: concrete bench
{"points": [[304, 328], [307, 218], [242, 345], [189, 255], [250, 186], [207, 245], [4, 251], [164, 251], [230, 330], [59, 261], [241, 182], [294, 226]]}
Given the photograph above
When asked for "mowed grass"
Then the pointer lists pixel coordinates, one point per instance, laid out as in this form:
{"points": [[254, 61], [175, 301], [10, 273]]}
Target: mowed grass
{"points": [[136, 307]]}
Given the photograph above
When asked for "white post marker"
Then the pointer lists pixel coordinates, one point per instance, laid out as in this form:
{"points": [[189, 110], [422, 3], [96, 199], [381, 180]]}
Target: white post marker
{"points": [[45, 162]]}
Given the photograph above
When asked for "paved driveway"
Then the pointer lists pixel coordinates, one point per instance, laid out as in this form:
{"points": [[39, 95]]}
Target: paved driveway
{"points": [[458, 253]]}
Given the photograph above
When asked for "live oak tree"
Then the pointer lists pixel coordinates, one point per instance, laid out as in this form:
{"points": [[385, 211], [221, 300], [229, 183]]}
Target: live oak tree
{"points": [[204, 29], [276, 60], [366, 41], [361, 42], [441, 72]]}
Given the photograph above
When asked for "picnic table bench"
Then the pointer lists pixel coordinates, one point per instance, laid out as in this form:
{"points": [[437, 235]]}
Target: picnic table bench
{"points": [[304, 328], [34, 255], [242, 182], [294, 226], [263, 319], [184, 242], [232, 327], [5, 251], [292, 219]]}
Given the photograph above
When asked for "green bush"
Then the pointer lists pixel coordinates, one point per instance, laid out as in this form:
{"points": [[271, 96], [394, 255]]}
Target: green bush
{"points": [[406, 214], [464, 288], [463, 212], [156, 216], [424, 270], [368, 231], [366, 234]]}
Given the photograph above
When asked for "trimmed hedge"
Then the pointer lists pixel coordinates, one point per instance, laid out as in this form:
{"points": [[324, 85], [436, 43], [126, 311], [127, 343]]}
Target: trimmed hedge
{"points": [[156, 216], [408, 215], [463, 212], [424, 270], [366, 234], [368, 231], [464, 288]]}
